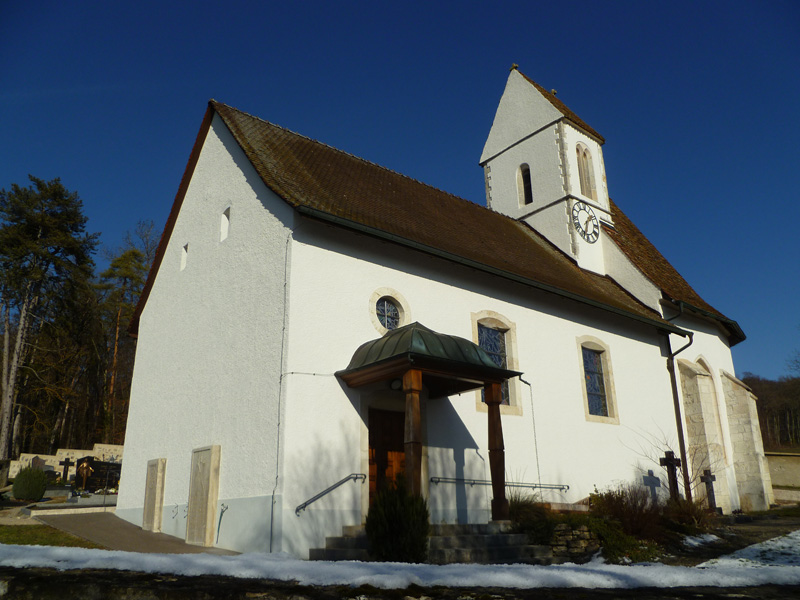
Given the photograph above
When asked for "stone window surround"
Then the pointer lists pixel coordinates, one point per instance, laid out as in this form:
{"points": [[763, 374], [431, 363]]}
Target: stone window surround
{"points": [[593, 343], [586, 179], [399, 301], [490, 318]]}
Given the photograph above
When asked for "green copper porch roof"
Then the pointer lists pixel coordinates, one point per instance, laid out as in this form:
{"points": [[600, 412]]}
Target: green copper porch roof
{"points": [[438, 355]]}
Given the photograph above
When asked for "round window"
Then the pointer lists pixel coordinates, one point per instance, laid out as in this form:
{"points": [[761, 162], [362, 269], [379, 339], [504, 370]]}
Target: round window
{"points": [[388, 313]]}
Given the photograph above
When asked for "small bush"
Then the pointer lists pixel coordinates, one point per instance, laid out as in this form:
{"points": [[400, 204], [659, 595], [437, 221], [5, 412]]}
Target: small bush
{"points": [[29, 484], [619, 547], [398, 525], [687, 517], [631, 506], [532, 518]]}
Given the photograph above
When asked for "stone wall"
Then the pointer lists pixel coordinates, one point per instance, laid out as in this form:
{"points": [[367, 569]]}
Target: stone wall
{"points": [[784, 468], [103, 452], [752, 472], [575, 545]]}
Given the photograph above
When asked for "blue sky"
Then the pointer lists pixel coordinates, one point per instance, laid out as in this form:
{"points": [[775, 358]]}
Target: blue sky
{"points": [[698, 102]]}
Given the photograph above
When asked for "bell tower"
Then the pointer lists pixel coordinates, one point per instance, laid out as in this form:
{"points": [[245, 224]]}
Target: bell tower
{"points": [[544, 165]]}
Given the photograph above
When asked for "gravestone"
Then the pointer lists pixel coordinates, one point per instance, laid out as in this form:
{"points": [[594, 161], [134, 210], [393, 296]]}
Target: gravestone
{"points": [[709, 480], [99, 474], [671, 464], [66, 463]]}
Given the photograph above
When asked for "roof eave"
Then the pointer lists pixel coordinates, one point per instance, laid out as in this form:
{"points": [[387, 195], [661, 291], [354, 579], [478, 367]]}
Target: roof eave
{"points": [[385, 235], [734, 332]]}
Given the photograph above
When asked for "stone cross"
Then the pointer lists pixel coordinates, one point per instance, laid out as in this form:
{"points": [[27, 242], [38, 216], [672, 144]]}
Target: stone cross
{"points": [[709, 480], [671, 463], [652, 482], [67, 463]]}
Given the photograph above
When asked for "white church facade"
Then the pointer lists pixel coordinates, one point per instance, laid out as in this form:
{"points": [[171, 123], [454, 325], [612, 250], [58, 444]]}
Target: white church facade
{"points": [[312, 319]]}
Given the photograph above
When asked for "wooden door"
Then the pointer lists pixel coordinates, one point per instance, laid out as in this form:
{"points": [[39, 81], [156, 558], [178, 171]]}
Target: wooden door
{"points": [[386, 449]]}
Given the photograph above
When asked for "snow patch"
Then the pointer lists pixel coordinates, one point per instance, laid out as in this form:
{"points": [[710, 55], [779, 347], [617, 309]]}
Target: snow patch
{"points": [[775, 562]]}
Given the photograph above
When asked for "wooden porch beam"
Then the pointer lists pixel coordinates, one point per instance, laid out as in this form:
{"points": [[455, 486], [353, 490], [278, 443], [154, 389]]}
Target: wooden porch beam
{"points": [[412, 386], [497, 460]]}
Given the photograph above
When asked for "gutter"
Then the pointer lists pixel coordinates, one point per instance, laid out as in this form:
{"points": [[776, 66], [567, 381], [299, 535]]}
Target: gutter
{"points": [[384, 235], [736, 334]]}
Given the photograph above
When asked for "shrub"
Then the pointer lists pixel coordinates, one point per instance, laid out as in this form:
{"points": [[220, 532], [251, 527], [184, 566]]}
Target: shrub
{"points": [[687, 517], [397, 525], [29, 484], [631, 506], [532, 518], [618, 546]]}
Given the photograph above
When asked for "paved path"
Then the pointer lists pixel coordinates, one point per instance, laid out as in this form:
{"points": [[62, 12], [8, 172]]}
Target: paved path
{"points": [[108, 530]]}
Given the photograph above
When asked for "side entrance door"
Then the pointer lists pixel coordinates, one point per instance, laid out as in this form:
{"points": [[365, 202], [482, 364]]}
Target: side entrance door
{"points": [[386, 449]]}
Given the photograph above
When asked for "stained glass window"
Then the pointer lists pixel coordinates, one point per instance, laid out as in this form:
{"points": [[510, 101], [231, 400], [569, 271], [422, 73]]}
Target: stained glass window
{"points": [[494, 342], [388, 314], [595, 382]]}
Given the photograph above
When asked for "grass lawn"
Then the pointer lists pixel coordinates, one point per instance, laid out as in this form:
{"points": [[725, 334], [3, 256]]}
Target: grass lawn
{"points": [[41, 535]]}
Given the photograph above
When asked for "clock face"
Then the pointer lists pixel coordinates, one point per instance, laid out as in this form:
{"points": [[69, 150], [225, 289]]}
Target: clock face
{"points": [[585, 222]]}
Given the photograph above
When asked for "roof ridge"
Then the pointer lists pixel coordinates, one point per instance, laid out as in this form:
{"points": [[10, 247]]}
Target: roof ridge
{"points": [[214, 103], [561, 107]]}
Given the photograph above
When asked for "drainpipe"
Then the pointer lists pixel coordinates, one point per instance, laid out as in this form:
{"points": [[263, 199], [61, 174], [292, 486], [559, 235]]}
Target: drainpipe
{"points": [[687, 486]]}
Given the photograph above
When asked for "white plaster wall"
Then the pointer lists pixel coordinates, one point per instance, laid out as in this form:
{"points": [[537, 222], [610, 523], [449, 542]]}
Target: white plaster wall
{"points": [[334, 274], [623, 271], [541, 154], [209, 349], [522, 111]]}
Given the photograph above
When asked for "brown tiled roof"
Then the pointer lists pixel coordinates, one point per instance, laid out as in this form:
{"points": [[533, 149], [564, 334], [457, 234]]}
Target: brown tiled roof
{"points": [[330, 183], [655, 267], [563, 108], [322, 182]]}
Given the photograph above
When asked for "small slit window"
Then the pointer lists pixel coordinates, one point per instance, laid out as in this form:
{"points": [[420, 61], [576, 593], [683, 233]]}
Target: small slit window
{"points": [[184, 256], [524, 185], [224, 224]]}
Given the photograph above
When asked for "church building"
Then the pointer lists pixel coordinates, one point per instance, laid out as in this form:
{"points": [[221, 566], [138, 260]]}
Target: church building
{"points": [[315, 324]]}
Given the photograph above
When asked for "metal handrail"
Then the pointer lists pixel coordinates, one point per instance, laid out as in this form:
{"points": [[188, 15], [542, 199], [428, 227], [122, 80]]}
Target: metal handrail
{"points": [[353, 476], [534, 486]]}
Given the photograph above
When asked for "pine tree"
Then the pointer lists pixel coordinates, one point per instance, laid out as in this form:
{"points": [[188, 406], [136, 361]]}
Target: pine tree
{"points": [[45, 252]]}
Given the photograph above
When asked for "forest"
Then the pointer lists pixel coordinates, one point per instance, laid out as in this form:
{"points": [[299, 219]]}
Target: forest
{"points": [[67, 359]]}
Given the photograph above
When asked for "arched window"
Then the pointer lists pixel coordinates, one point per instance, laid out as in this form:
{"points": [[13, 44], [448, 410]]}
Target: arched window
{"points": [[524, 185], [497, 335], [599, 401], [586, 172]]}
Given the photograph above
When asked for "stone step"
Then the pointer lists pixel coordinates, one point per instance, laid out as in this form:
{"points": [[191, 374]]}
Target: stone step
{"points": [[478, 541], [533, 555], [347, 542], [472, 529], [353, 530], [338, 554]]}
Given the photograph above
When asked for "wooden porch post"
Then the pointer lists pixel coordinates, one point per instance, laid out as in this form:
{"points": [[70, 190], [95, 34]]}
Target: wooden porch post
{"points": [[497, 459], [412, 386]]}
